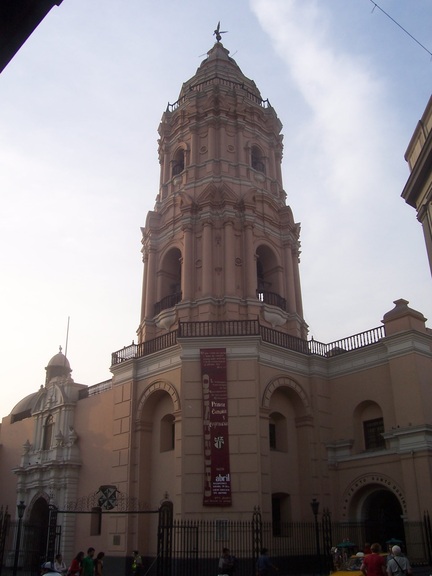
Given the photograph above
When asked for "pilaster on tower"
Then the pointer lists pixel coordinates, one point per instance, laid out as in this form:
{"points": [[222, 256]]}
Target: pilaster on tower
{"points": [[221, 243]]}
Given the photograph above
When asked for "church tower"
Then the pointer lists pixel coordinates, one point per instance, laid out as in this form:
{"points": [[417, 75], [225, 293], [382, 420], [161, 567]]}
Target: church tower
{"points": [[221, 243], [204, 396]]}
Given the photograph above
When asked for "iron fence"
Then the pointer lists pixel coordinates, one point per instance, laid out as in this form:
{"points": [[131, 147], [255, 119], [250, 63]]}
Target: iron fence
{"points": [[195, 546]]}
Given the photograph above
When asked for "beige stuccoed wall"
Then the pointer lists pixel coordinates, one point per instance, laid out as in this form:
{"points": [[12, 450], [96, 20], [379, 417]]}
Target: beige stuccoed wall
{"points": [[12, 438], [94, 427]]}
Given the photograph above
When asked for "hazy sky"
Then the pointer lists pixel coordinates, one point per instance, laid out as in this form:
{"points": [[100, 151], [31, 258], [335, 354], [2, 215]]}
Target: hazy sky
{"points": [[80, 105]]}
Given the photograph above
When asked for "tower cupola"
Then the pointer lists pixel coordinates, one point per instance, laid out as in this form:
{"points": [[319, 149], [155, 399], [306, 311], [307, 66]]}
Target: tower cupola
{"points": [[221, 243]]}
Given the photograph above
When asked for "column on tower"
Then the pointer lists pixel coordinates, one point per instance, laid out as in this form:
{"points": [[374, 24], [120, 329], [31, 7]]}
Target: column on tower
{"points": [[145, 274], [211, 141], [229, 258], [299, 303], [290, 280], [187, 273], [207, 259], [150, 288], [250, 262], [166, 167]]}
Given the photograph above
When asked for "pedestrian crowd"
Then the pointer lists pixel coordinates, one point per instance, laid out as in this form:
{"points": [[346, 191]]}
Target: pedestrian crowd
{"points": [[81, 565]]}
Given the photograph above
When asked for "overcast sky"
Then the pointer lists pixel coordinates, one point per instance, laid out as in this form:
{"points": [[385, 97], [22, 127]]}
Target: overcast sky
{"points": [[80, 105]]}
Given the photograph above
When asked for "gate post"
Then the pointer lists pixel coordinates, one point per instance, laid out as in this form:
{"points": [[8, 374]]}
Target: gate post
{"points": [[4, 528], [428, 533], [327, 539], [52, 533], [256, 534], [164, 547]]}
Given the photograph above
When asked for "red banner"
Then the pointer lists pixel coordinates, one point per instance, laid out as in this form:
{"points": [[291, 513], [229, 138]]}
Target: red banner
{"points": [[217, 477]]}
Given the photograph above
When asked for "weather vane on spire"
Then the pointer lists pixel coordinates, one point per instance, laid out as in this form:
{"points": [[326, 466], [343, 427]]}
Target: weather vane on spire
{"points": [[218, 32]]}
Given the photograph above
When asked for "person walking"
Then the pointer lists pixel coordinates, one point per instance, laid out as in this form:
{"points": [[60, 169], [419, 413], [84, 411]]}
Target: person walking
{"points": [[398, 565], [98, 564], [264, 564], [374, 564], [88, 564], [75, 568]]}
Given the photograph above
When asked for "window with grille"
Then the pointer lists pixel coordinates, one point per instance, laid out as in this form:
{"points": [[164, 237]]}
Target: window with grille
{"points": [[373, 430]]}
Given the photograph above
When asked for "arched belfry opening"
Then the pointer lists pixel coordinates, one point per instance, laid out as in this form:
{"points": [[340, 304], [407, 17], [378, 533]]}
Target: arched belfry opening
{"points": [[269, 289], [169, 281], [257, 159], [178, 163]]}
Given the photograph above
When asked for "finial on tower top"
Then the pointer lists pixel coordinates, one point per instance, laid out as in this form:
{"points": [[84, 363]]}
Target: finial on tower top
{"points": [[218, 32]]}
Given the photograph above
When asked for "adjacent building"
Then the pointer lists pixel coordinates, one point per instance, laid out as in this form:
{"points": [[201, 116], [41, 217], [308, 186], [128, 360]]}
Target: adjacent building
{"points": [[418, 189]]}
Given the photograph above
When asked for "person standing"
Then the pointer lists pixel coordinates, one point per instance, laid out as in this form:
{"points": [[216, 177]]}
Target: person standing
{"points": [[98, 564], [374, 564], [48, 569], [59, 564], [136, 563], [88, 564], [263, 564], [398, 565], [227, 563]]}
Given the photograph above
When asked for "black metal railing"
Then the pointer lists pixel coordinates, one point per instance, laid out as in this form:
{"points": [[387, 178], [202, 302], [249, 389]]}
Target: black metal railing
{"points": [[167, 302], [284, 340], [242, 328], [355, 342], [271, 298], [200, 86], [218, 328]]}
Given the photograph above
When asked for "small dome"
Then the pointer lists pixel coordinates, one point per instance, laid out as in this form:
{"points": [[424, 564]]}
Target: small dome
{"points": [[57, 366], [24, 407], [59, 360]]}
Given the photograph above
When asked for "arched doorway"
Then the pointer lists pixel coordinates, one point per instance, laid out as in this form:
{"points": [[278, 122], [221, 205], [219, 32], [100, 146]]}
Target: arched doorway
{"points": [[38, 523], [382, 515]]}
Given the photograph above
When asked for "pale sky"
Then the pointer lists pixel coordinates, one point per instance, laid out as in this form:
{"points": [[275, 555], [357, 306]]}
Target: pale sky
{"points": [[80, 105]]}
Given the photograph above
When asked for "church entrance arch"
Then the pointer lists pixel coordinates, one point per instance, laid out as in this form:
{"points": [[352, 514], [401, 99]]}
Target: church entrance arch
{"points": [[380, 510], [39, 521], [383, 517]]}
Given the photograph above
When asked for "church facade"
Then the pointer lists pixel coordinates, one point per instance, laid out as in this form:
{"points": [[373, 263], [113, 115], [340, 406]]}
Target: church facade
{"points": [[223, 406]]}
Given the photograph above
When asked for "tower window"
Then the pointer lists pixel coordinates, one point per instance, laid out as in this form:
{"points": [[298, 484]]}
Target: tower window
{"points": [[167, 433], [278, 434], [373, 430], [272, 435], [178, 162], [257, 160], [48, 433]]}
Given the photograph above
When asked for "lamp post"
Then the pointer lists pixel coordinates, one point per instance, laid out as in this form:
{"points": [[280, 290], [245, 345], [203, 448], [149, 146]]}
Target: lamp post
{"points": [[20, 508], [315, 510]]}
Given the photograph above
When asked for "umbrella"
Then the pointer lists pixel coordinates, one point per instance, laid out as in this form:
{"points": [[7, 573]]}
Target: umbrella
{"points": [[394, 541], [346, 544]]}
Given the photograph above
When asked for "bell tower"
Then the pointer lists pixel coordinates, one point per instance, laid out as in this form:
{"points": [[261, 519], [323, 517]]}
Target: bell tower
{"points": [[221, 243]]}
